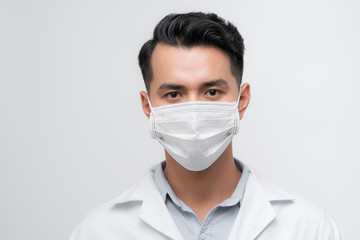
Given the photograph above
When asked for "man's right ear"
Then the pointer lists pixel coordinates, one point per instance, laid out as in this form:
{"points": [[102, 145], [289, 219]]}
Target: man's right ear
{"points": [[145, 103]]}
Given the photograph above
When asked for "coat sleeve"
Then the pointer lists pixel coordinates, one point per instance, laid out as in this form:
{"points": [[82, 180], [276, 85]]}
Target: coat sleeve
{"points": [[326, 227], [85, 230], [94, 226], [334, 231], [91, 229], [75, 235]]}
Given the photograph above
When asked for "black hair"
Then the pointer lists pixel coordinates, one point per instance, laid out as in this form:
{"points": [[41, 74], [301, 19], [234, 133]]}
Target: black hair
{"points": [[195, 29]]}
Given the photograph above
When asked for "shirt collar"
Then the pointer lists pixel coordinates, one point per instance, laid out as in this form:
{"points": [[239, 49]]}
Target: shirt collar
{"points": [[161, 181], [166, 191]]}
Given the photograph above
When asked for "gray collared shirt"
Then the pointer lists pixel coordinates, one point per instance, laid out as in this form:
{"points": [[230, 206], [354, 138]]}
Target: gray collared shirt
{"points": [[219, 220]]}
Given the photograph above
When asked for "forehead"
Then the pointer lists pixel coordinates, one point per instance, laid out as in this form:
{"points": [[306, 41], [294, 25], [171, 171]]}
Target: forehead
{"points": [[189, 66]]}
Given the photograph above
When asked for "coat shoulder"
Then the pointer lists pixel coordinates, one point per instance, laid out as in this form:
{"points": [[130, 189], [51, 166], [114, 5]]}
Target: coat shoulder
{"points": [[300, 214], [108, 220], [118, 217]]}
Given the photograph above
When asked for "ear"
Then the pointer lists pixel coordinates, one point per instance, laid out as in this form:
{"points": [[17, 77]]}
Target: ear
{"points": [[244, 99], [145, 103]]}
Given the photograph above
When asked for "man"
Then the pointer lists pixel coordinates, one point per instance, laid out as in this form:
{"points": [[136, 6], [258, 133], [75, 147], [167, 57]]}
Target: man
{"points": [[192, 68]]}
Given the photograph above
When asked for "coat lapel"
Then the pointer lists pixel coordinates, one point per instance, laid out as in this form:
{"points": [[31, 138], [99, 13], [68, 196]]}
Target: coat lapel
{"points": [[155, 213], [153, 209], [256, 211]]}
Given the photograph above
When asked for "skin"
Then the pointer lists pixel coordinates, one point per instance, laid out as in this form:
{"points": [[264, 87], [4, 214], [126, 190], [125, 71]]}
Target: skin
{"points": [[200, 73]]}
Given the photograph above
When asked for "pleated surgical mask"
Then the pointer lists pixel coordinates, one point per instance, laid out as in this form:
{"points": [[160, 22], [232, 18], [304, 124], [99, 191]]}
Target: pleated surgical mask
{"points": [[195, 133]]}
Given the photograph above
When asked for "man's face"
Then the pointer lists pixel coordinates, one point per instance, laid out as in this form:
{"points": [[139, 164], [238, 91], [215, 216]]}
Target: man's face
{"points": [[201, 73]]}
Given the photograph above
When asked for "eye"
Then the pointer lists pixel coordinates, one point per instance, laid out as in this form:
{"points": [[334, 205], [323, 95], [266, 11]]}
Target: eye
{"points": [[213, 92], [172, 94]]}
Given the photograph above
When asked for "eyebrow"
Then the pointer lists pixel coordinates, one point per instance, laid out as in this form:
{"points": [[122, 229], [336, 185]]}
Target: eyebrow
{"points": [[216, 83], [213, 83], [169, 86]]}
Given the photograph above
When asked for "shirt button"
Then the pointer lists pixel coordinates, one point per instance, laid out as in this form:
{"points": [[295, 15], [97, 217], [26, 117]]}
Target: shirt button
{"points": [[203, 236]]}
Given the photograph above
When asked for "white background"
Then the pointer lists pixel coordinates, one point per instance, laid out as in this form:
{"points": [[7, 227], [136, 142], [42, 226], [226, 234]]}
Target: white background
{"points": [[73, 134]]}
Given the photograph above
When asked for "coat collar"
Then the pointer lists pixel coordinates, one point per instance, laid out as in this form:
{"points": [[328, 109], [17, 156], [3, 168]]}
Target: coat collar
{"points": [[153, 209], [256, 211]]}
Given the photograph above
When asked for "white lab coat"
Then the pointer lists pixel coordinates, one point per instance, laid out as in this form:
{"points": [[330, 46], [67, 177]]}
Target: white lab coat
{"points": [[267, 212]]}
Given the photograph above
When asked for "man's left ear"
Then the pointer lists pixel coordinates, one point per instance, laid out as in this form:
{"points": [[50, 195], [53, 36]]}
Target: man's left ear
{"points": [[244, 99]]}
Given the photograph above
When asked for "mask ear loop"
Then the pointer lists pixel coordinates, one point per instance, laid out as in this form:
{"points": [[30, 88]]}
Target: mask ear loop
{"points": [[237, 117], [238, 100], [148, 98], [152, 119]]}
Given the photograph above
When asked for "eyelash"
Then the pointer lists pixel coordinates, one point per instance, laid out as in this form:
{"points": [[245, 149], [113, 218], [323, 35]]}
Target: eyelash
{"points": [[217, 92], [168, 94]]}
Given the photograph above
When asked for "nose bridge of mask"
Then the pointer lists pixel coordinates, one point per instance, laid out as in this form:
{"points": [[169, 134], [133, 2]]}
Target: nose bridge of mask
{"points": [[151, 108]]}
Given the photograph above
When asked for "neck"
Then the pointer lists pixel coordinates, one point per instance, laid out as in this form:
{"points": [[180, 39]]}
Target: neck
{"points": [[203, 190]]}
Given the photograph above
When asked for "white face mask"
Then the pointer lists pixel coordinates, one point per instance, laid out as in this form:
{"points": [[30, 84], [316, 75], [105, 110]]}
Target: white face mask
{"points": [[195, 133]]}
